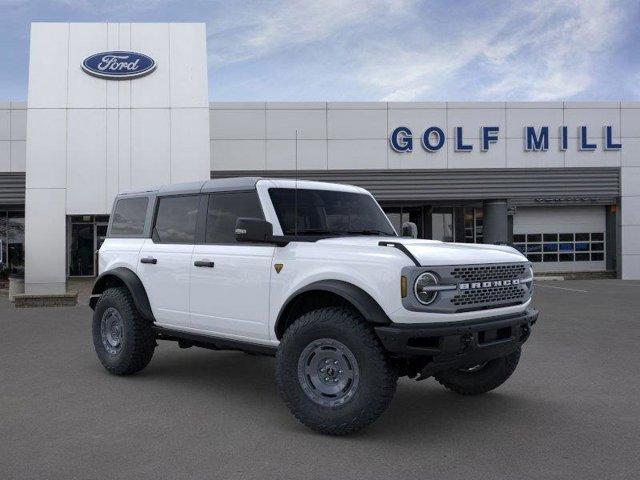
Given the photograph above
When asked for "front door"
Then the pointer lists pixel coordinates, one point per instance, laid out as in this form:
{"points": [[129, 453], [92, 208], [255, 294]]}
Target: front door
{"points": [[81, 250], [164, 260], [229, 280]]}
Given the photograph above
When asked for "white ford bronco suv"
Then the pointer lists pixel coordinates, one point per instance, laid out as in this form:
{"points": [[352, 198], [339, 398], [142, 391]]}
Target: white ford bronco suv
{"points": [[315, 274]]}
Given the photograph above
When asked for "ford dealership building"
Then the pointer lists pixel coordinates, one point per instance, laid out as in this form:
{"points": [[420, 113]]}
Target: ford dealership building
{"points": [[120, 106]]}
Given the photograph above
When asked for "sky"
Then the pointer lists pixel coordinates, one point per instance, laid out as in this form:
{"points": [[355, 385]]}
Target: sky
{"points": [[377, 50]]}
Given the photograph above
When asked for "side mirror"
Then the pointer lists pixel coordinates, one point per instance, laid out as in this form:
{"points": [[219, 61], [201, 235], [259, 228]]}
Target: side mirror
{"points": [[253, 230], [409, 229]]}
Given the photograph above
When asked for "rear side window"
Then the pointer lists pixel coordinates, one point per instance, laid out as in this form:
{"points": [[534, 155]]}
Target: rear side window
{"points": [[225, 209], [129, 216], [176, 219]]}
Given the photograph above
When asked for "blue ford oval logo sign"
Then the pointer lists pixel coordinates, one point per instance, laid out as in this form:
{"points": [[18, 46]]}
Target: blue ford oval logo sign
{"points": [[118, 65]]}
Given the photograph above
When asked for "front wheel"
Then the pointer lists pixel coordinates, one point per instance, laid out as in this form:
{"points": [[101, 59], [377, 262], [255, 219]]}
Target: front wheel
{"points": [[332, 372], [480, 378]]}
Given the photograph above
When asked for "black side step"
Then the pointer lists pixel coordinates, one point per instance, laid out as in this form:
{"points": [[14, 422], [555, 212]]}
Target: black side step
{"points": [[212, 343]]}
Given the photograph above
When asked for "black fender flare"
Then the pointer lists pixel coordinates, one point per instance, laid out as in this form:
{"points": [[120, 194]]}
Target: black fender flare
{"points": [[133, 284], [364, 303]]}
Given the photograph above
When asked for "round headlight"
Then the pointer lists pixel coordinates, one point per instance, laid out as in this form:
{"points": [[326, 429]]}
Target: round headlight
{"points": [[422, 288]]}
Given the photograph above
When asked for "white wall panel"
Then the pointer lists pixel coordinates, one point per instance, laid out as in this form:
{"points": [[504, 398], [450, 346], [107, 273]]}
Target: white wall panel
{"points": [[630, 239], [150, 147], [5, 156], [18, 124], [592, 118], [418, 158], [86, 91], [48, 62], [45, 241], [418, 120], [86, 161], [238, 154], [495, 157], [630, 120], [518, 118], [188, 72], [630, 153], [517, 157], [598, 158], [311, 124], [113, 43], [357, 124], [111, 160], [5, 124], [237, 124], [630, 267], [190, 145], [281, 154], [47, 148], [152, 91], [472, 119], [357, 154], [18, 156], [124, 86], [124, 150], [630, 181], [630, 211]]}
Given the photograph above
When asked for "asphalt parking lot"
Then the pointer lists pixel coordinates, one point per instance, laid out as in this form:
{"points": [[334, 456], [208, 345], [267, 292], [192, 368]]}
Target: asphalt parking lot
{"points": [[571, 410]]}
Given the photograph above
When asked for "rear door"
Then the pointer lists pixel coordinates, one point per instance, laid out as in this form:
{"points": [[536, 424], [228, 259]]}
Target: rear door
{"points": [[165, 259], [230, 280]]}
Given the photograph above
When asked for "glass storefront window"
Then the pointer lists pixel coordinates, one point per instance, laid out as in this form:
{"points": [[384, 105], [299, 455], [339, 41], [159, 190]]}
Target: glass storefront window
{"points": [[11, 242], [86, 235], [442, 227], [543, 247]]}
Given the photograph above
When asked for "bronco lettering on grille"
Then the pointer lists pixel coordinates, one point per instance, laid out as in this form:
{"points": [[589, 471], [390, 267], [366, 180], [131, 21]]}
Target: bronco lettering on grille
{"points": [[489, 284]]}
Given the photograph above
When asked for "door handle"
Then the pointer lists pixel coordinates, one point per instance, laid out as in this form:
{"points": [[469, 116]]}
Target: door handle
{"points": [[149, 260], [203, 263]]}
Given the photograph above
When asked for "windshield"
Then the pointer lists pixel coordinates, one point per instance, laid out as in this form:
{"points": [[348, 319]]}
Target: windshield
{"points": [[328, 212]]}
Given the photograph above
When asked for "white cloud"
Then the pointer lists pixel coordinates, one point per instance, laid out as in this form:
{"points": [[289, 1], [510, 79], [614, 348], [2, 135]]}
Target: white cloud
{"points": [[546, 50], [257, 30]]}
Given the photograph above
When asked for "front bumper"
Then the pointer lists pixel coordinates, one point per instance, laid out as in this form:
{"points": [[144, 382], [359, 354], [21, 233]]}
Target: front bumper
{"points": [[448, 345]]}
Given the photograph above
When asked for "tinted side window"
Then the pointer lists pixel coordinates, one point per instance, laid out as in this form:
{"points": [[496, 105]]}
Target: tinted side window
{"points": [[128, 217], [225, 209], [176, 219]]}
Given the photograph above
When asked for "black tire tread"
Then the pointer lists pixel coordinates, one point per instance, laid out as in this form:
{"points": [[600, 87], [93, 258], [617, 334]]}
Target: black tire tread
{"points": [[143, 338], [349, 321]]}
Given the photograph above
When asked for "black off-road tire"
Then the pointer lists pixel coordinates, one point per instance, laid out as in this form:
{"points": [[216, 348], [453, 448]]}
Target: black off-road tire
{"points": [[137, 340], [370, 395], [493, 374]]}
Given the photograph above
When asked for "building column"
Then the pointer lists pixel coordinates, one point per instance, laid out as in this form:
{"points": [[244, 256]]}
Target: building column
{"points": [[45, 241], [495, 222]]}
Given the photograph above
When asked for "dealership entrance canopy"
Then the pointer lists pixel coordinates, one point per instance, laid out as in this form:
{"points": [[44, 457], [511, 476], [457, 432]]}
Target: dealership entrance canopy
{"points": [[121, 106]]}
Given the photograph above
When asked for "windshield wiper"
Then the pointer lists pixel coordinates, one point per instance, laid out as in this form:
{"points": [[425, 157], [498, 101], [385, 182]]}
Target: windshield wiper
{"points": [[370, 232], [317, 231]]}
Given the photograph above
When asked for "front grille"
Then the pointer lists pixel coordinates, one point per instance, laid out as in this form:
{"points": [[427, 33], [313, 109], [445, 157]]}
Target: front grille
{"points": [[491, 295], [479, 273]]}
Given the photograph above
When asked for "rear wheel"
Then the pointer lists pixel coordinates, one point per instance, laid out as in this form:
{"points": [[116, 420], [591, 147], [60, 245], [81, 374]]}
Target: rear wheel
{"points": [[480, 378], [332, 372], [123, 340]]}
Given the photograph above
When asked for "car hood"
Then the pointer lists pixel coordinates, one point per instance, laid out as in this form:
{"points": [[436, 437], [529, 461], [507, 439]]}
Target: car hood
{"points": [[434, 252]]}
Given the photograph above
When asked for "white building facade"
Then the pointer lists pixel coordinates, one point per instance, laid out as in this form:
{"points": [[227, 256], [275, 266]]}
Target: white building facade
{"points": [[559, 180]]}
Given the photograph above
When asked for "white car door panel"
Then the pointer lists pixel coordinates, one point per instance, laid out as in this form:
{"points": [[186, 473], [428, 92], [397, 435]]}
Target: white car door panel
{"points": [[164, 264], [229, 280], [164, 271], [231, 297]]}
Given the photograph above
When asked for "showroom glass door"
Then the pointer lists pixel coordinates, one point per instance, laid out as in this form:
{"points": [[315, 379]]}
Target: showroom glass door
{"points": [[81, 263], [101, 235]]}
